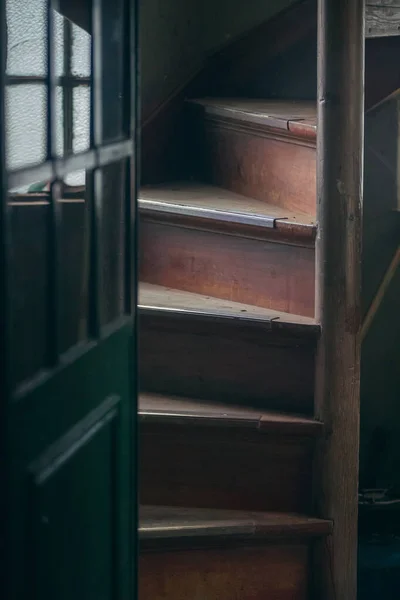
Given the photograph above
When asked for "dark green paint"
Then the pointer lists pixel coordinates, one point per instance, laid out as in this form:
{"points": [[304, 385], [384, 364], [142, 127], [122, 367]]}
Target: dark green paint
{"points": [[72, 499], [68, 434]]}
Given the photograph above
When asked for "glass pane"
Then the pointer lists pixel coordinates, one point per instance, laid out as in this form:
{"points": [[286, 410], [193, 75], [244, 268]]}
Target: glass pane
{"points": [[59, 23], [112, 53], [74, 180], [80, 60], [74, 264], [59, 121], [25, 125], [73, 119], [26, 37], [30, 308], [112, 242], [81, 119], [73, 130], [28, 284]]}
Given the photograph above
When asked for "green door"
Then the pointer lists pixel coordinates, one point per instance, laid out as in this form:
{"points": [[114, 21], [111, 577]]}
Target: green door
{"points": [[68, 298]]}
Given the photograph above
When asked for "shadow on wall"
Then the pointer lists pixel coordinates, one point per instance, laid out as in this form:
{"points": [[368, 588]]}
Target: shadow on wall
{"points": [[178, 35], [380, 372], [380, 397]]}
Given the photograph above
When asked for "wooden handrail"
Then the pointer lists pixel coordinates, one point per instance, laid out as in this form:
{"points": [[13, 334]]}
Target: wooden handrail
{"points": [[340, 100], [380, 294]]}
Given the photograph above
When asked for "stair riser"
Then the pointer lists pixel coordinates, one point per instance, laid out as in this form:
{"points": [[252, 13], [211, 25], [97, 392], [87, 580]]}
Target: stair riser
{"points": [[244, 364], [199, 467], [254, 573], [282, 172], [263, 273]]}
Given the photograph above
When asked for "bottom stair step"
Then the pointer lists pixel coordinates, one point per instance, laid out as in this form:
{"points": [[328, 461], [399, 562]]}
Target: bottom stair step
{"points": [[225, 555]]}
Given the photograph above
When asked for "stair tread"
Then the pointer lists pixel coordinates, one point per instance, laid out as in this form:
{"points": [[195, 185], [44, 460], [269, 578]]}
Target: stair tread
{"points": [[162, 298], [167, 409], [211, 202], [165, 522], [280, 114], [201, 347]]}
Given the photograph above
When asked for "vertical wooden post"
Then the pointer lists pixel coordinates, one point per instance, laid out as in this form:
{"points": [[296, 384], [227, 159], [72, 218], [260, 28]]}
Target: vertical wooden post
{"points": [[339, 205]]}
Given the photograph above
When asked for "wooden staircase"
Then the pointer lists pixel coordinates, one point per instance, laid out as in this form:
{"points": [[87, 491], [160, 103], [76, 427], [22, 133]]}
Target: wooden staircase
{"points": [[237, 370], [198, 553], [227, 360]]}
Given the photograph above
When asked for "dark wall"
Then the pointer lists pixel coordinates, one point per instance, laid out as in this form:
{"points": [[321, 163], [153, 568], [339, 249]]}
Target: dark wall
{"points": [[380, 366], [380, 396], [178, 35]]}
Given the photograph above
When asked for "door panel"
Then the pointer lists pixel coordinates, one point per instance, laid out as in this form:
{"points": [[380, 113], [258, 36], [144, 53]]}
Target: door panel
{"points": [[67, 312], [72, 504], [65, 472]]}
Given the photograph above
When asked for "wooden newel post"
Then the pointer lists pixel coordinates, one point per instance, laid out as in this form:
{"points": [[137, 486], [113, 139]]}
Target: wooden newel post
{"points": [[340, 102]]}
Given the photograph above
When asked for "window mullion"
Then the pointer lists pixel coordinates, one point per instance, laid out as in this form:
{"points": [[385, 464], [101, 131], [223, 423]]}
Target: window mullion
{"points": [[67, 88]]}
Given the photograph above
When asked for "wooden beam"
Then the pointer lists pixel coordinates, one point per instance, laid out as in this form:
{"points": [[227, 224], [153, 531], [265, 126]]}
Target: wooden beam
{"points": [[341, 26], [377, 301], [387, 3], [382, 18]]}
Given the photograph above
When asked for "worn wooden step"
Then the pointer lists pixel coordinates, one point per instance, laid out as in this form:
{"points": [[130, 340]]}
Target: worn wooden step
{"points": [[228, 554], [201, 347], [207, 240], [259, 148], [216, 456]]}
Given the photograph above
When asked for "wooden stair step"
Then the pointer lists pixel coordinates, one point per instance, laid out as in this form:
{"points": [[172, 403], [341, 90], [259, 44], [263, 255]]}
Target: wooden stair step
{"points": [[217, 456], [173, 410], [196, 203], [206, 348], [207, 240], [298, 118], [264, 149], [170, 524], [228, 554], [156, 298]]}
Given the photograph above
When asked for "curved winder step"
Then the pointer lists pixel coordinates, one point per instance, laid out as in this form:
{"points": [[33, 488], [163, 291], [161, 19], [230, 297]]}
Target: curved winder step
{"points": [[296, 117], [229, 554], [264, 149], [219, 208], [210, 455], [207, 240], [201, 347]]}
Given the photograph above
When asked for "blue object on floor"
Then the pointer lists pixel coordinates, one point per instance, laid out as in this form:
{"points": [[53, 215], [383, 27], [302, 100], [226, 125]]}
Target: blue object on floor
{"points": [[379, 568]]}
